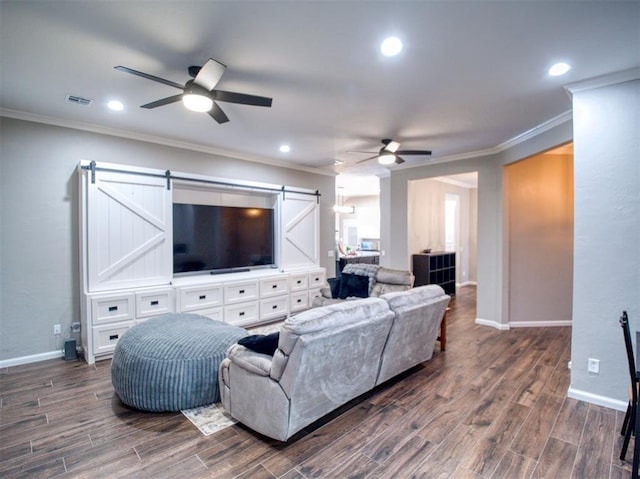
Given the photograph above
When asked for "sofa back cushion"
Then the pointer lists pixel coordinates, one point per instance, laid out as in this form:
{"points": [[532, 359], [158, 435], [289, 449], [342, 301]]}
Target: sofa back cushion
{"points": [[330, 355], [388, 280], [418, 314]]}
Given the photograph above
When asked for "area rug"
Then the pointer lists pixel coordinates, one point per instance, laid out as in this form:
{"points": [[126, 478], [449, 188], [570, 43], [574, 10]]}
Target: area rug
{"points": [[213, 418], [209, 419]]}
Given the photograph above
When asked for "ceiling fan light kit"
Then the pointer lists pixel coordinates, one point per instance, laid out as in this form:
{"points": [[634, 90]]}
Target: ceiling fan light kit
{"points": [[387, 159], [196, 98]]}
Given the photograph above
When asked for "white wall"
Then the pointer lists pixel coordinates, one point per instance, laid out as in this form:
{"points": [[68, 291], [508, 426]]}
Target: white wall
{"points": [[39, 279], [426, 222], [607, 235]]}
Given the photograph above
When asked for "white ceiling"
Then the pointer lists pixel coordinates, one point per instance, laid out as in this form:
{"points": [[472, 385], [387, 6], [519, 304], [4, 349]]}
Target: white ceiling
{"points": [[472, 75]]}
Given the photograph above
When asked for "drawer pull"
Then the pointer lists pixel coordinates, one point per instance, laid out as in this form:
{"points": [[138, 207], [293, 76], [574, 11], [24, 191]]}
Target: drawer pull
{"points": [[299, 281], [274, 286], [113, 337], [317, 279], [202, 296], [299, 301], [275, 306], [241, 291], [154, 303], [241, 313], [113, 308]]}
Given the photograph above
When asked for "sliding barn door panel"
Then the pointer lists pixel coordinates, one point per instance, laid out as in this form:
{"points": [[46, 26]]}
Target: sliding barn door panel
{"points": [[128, 231], [299, 236]]}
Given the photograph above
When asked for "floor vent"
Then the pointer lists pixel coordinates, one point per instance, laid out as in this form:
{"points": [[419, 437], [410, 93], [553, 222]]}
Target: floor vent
{"points": [[78, 100]]}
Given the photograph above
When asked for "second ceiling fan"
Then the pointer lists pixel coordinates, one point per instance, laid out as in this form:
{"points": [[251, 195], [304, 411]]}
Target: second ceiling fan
{"points": [[200, 94], [390, 154]]}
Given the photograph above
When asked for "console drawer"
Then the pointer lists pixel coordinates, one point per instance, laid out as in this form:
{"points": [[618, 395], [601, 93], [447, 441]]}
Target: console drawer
{"points": [[316, 279], [313, 293], [154, 303], [299, 301], [240, 314], [274, 308], [216, 314], [195, 298], [105, 337], [111, 309], [274, 286], [238, 292], [299, 282]]}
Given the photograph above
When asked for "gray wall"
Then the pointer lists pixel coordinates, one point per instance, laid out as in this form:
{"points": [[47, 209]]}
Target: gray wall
{"points": [[39, 283], [492, 289], [489, 233], [607, 235]]}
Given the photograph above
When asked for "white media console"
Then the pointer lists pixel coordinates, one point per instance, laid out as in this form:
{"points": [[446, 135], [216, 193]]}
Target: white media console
{"points": [[127, 255]]}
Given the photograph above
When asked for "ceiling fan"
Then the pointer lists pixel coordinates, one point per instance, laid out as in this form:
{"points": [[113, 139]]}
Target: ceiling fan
{"points": [[390, 154], [199, 94]]}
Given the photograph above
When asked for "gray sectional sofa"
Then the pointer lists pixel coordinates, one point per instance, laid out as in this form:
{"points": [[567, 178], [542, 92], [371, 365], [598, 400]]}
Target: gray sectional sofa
{"points": [[327, 356], [382, 280]]}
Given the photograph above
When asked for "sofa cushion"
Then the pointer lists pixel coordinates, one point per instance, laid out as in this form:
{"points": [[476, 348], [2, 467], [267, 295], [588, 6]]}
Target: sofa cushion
{"points": [[363, 269], [334, 284], [260, 343], [353, 285]]}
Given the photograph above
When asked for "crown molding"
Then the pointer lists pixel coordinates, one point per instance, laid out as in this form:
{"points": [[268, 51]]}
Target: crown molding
{"points": [[604, 80], [521, 138], [535, 131], [77, 125]]}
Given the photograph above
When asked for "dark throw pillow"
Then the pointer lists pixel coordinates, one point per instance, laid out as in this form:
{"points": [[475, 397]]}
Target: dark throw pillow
{"points": [[264, 344], [354, 285], [334, 284]]}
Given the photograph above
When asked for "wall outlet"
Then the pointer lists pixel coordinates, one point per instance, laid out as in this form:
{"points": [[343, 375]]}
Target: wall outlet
{"points": [[57, 329], [594, 366], [330, 253]]}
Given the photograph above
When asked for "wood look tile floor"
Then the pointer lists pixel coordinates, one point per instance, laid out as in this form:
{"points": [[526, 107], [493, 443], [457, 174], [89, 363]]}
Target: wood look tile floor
{"points": [[492, 406]]}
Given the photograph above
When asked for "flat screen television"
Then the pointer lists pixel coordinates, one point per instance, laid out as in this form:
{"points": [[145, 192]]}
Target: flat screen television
{"points": [[221, 238]]}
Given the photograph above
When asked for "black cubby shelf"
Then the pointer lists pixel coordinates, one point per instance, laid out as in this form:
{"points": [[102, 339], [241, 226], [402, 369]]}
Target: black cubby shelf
{"points": [[435, 268]]}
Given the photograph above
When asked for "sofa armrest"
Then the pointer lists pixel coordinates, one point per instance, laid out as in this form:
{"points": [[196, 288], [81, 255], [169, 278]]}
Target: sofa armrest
{"points": [[249, 360]]}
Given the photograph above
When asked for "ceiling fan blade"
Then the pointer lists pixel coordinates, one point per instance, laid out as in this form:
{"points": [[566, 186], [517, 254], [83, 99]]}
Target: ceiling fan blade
{"points": [[241, 98], [391, 145], [413, 152], [367, 159], [149, 77], [164, 101], [217, 114], [210, 74]]}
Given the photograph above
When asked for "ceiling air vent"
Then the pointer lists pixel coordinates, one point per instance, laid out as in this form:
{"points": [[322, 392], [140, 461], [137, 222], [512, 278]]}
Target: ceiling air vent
{"points": [[78, 100]]}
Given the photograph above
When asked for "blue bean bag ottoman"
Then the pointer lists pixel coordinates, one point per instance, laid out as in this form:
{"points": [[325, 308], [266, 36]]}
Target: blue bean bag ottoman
{"points": [[170, 362]]}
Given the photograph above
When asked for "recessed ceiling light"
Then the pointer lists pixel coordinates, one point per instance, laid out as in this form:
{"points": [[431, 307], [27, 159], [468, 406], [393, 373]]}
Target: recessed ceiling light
{"points": [[338, 162], [115, 105], [285, 148], [559, 69], [391, 46]]}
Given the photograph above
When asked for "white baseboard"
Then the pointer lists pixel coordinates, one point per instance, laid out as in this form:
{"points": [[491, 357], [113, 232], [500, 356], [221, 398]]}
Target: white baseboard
{"points": [[34, 358], [597, 399], [538, 324], [493, 324], [521, 324]]}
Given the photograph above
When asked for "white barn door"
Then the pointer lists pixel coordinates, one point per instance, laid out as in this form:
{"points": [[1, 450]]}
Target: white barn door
{"points": [[299, 231], [129, 232]]}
